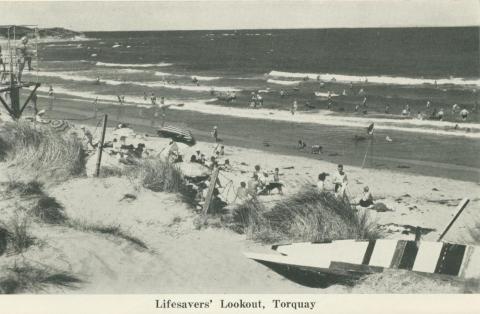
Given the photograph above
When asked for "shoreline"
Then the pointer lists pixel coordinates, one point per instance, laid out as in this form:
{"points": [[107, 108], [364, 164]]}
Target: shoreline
{"points": [[339, 151]]}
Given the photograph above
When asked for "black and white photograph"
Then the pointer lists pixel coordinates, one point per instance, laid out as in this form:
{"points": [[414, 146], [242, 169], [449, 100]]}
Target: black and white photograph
{"points": [[239, 147]]}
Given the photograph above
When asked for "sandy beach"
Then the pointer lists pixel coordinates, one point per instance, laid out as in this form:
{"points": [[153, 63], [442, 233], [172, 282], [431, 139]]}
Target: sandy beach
{"points": [[180, 258]]}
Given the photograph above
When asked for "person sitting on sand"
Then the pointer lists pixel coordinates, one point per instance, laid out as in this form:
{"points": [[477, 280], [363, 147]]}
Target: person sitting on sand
{"points": [[222, 150], [253, 185], [277, 184], [340, 181], [464, 114], [367, 198], [193, 158], [226, 165], [242, 192], [321, 181]]}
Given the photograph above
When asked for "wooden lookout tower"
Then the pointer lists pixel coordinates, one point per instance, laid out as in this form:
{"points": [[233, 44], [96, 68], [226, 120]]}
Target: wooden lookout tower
{"points": [[16, 56]]}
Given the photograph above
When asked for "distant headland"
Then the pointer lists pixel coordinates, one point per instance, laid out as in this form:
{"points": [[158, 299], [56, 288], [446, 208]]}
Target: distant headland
{"points": [[57, 32]]}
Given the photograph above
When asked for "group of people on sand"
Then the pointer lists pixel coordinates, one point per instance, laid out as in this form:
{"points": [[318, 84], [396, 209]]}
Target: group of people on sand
{"points": [[260, 183], [340, 184]]}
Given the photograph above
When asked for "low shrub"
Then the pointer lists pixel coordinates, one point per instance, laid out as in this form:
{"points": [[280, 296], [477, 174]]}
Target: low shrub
{"points": [[309, 215], [49, 210]]}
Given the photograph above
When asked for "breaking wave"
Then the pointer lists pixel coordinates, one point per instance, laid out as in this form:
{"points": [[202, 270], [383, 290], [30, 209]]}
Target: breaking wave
{"points": [[395, 80]]}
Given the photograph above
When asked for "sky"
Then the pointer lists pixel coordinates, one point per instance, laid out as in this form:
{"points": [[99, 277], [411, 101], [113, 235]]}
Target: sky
{"points": [[246, 14]]}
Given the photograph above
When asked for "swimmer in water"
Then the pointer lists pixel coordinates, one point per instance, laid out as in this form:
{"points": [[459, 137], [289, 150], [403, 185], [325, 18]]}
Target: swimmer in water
{"points": [[294, 107], [464, 114]]}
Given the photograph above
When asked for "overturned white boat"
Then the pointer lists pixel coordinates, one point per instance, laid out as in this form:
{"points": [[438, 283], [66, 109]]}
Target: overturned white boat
{"points": [[353, 258]]}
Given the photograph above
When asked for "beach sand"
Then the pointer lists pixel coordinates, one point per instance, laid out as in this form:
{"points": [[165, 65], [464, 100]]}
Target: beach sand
{"points": [[180, 258]]}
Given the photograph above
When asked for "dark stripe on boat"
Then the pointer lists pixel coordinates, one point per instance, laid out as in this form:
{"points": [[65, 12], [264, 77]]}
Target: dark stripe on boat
{"points": [[450, 259], [368, 252], [397, 255], [409, 255]]}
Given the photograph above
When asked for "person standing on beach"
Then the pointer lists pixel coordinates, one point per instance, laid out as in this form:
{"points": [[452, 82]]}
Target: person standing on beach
{"points": [[95, 107], [215, 133], [464, 114], [387, 109], [24, 57], [340, 181], [364, 102], [34, 103], [4, 74], [51, 97]]}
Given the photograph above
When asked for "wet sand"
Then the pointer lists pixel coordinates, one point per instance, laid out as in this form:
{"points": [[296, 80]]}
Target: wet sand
{"points": [[427, 154]]}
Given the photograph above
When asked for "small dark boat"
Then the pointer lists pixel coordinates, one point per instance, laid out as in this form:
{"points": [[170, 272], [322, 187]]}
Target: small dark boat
{"points": [[177, 134]]}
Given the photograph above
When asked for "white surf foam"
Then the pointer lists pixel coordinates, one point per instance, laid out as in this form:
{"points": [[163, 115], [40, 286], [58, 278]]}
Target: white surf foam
{"points": [[198, 77], [395, 80], [414, 126], [133, 65], [283, 82], [81, 78]]}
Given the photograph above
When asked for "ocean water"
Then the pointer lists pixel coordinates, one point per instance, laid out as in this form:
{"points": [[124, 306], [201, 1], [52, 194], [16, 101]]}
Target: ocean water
{"points": [[392, 67]]}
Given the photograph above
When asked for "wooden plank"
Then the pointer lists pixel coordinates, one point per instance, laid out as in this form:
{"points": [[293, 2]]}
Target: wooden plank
{"points": [[460, 209], [211, 187], [368, 252], [4, 103], [29, 98], [100, 147]]}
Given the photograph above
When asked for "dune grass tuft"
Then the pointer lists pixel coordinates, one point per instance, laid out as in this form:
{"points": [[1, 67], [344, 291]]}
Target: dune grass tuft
{"points": [[37, 148], [29, 188], [113, 230], [160, 176], [17, 234], [49, 210], [24, 278], [306, 216]]}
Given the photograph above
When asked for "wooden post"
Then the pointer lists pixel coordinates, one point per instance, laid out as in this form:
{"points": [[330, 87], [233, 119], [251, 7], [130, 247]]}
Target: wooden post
{"points": [[211, 187], [460, 209], [418, 234], [366, 152], [100, 146]]}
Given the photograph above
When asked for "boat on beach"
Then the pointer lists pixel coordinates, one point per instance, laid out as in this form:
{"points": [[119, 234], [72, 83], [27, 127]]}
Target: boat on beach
{"points": [[353, 258]]}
